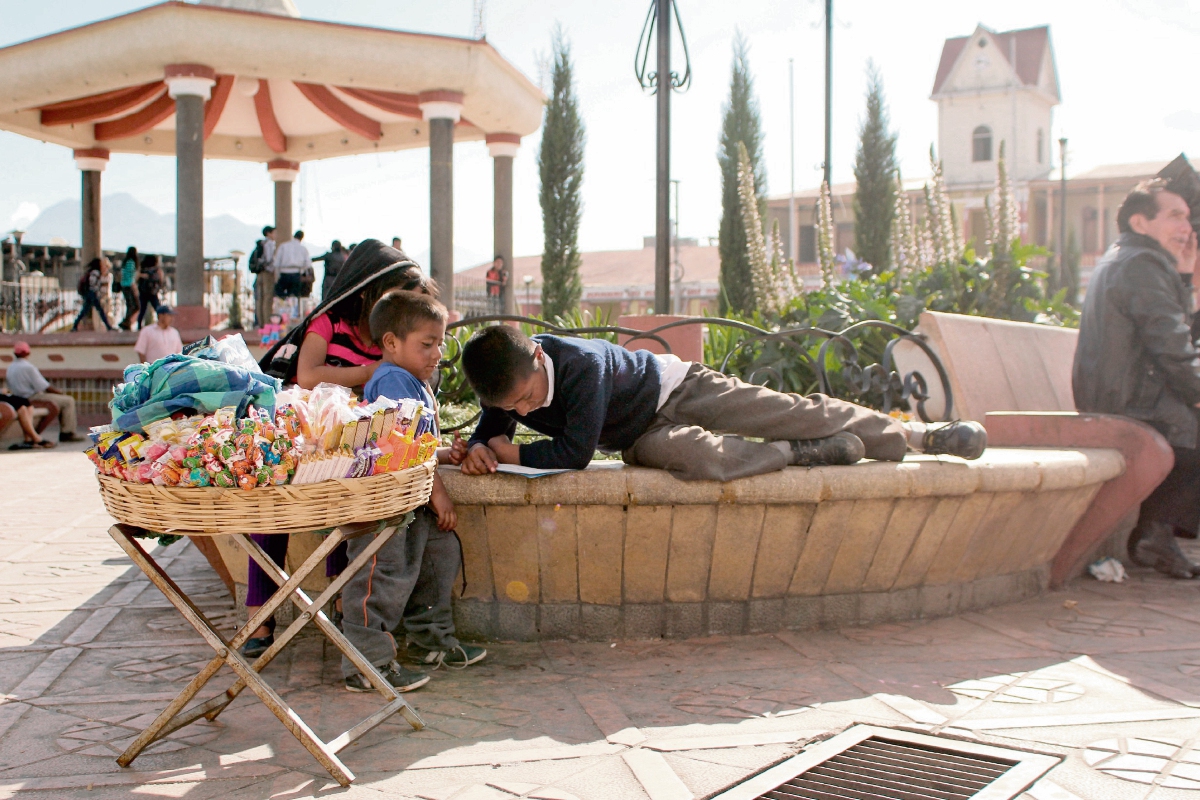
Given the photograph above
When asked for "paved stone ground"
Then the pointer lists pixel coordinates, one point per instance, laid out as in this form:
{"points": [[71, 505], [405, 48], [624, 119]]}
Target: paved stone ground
{"points": [[1106, 676]]}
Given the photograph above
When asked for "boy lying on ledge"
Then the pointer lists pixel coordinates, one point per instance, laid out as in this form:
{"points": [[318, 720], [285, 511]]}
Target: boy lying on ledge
{"points": [[658, 411]]}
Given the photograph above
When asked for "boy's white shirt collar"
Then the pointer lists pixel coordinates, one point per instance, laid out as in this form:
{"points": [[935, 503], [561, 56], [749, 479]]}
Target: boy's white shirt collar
{"points": [[548, 363]]}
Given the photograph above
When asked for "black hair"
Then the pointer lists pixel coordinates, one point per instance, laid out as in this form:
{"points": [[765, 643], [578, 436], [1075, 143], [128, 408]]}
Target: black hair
{"points": [[494, 359], [298, 235], [372, 255], [131, 255], [1142, 199], [400, 312], [149, 261], [268, 229], [93, 264], [335, 246]]}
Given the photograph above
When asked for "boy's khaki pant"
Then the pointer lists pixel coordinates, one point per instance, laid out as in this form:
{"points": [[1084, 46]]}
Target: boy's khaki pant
{"points": [[696, 434]]}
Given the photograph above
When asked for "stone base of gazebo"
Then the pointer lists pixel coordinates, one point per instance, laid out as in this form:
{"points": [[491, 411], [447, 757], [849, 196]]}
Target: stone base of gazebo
{"points": [[625, 553], [616, 552]]}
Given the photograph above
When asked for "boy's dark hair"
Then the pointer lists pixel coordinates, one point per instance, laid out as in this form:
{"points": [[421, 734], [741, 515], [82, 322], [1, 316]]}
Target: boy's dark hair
{"points": [[400, 312], [1142, 199], [494, 359]]}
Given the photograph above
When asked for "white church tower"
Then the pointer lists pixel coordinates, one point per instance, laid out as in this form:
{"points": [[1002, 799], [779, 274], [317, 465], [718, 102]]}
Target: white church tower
{"points": [[990, 88]]}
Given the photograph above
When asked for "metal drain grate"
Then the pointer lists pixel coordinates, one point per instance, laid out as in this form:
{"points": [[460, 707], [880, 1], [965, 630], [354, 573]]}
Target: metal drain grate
{"points": [[869, 763]]}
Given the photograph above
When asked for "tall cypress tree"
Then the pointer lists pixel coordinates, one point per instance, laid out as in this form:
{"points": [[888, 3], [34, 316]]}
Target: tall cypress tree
{"points": [[743, 125], [875, 173], [560, 165]]}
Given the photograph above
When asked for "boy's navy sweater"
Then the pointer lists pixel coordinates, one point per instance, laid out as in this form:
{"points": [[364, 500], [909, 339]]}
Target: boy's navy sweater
{"points": [[604, 398]]}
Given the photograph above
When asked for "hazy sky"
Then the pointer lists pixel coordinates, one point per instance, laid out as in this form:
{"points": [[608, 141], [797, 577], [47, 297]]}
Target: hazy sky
{"points": [[1126, 70]]}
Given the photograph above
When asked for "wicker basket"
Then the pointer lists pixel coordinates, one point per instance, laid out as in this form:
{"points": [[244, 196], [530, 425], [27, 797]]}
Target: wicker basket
{"points": [[268, 509]]}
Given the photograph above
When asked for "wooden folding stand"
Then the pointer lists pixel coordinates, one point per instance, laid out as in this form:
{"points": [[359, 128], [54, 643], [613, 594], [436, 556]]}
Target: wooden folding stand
{"points": [[174, 717]]}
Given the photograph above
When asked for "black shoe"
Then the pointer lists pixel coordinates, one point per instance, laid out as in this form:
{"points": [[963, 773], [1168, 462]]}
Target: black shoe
{"points": [[69, 437], [838, 450], [404, 680], [963, 438], [253, 648], [459, 657], [1157, 548]]}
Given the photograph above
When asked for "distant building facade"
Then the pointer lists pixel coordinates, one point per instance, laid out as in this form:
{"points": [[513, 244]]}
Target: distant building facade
{"points": [[617, 282], [994, 87]]}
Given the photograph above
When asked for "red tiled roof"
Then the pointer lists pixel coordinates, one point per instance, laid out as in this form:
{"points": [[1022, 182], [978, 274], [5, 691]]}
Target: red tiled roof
{"points": [[617, 267], [1028, 43]]}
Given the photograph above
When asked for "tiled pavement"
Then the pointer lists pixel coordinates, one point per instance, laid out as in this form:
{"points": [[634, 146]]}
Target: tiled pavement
{"points": [[1107, 676]]}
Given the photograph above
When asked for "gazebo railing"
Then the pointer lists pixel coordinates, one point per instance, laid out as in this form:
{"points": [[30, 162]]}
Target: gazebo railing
{"points": [[881, 384]]}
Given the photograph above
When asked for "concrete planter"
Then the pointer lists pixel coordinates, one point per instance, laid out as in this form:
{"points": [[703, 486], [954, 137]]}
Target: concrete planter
{"points": [[633, 553], [629, 553]]}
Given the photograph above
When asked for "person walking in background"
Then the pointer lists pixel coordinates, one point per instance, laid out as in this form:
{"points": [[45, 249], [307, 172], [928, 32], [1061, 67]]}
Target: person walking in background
{"points": [[149, 282], [334, 260], [128, 281], [159, 340], [27, 382], [89, 289], [262, 266], [293, 271]]}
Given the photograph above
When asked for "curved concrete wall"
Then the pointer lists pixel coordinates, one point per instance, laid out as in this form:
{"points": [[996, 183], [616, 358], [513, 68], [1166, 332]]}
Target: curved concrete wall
{"points": [[633, 553]]}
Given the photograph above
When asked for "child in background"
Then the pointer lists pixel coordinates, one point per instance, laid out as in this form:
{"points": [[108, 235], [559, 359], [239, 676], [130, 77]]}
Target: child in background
{"points": [[410, 581]]}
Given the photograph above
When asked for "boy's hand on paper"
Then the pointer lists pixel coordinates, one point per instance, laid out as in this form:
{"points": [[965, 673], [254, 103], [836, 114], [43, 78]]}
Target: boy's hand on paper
{"points": [[443, 506], [479, 461]]}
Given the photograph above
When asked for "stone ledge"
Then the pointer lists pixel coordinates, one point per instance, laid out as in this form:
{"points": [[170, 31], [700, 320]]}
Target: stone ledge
{"points": [[585, 622], [1000, 470]]}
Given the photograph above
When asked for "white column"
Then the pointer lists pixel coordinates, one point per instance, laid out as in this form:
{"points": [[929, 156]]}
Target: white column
{"points": [[190, 85], [441, 109], [503, 149]]}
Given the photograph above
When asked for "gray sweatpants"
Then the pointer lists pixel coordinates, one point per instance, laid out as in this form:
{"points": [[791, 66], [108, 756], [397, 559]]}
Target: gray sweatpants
{"points": [[405, 588], [696, 434]]}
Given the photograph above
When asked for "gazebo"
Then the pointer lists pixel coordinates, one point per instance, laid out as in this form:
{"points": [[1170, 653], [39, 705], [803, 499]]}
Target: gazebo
{"points": [[249, 80]]}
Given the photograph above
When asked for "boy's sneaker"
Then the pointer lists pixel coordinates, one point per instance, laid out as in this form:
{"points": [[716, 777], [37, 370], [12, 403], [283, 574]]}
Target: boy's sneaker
{"points": [[963, 438], [838, 450], [459, 657], [405, 680]]}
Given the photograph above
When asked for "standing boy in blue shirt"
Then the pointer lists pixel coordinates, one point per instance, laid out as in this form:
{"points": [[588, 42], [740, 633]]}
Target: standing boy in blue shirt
{"points": [[658, 411], [410, 581]]}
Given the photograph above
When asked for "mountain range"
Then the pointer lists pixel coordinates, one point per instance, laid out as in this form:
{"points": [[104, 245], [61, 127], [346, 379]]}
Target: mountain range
{"points": [[124, 222]]}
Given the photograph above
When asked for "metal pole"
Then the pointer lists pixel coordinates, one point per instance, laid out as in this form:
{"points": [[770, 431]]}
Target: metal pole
{"points": [[792, 164], [662, 223], [828, 91], [1062, 222], [678, 276]]}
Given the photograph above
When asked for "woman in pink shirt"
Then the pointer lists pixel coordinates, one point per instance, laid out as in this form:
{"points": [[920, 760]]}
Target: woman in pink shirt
{"points": [[336, 348]]}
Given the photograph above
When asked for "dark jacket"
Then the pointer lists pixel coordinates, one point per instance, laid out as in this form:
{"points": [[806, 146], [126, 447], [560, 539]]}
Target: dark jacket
{"points": [[604, 398], [1135, 355]]}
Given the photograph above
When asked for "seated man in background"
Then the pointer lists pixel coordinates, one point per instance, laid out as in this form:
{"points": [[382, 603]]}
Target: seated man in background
{"points": [[658, 411], [1136, 358], [26, 382]]}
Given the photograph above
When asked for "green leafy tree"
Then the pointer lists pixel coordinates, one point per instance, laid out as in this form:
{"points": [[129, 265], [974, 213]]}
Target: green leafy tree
{"points": [[874, 172], [560, 166], [742, 125]]}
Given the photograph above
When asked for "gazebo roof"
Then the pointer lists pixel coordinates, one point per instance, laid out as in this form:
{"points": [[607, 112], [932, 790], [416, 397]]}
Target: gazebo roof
{"points": [[287, 88]]}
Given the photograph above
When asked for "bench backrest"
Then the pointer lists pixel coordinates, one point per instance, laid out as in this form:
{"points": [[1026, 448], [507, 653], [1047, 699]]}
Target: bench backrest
{"points": [[999, 365]]}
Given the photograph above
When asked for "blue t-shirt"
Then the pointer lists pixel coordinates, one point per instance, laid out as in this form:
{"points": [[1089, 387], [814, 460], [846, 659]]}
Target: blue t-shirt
{"points": [[397, 383]]}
